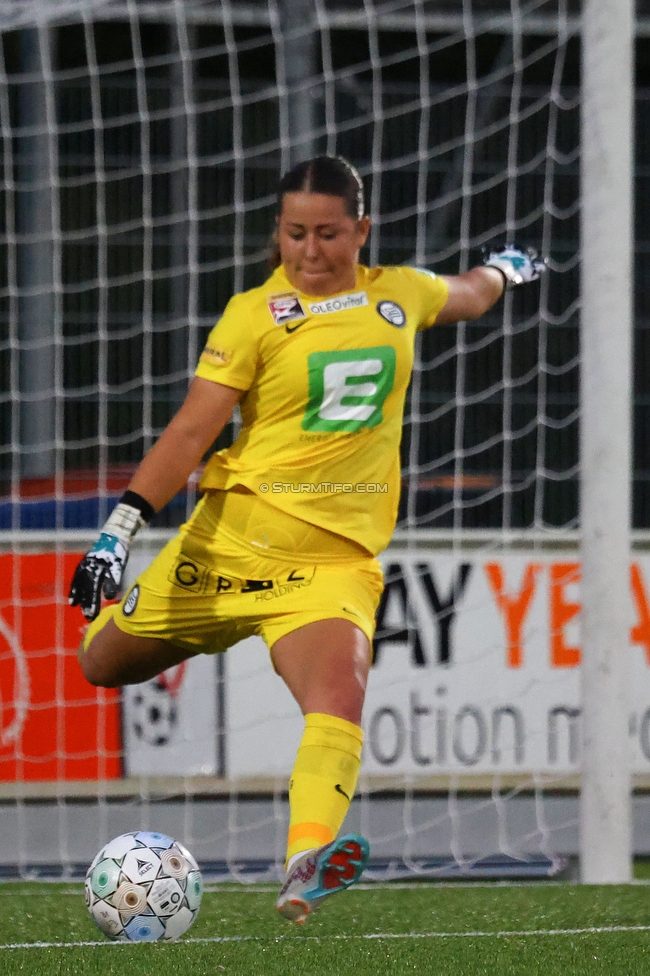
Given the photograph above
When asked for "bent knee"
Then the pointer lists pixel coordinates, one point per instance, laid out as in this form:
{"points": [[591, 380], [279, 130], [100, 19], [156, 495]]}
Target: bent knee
{"points": [[99, 653], [112, 658], [96, 670], [99, 677]]}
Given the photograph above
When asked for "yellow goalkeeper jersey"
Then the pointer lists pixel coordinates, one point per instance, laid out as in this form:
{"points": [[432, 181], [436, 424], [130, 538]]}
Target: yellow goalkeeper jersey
{"points": [[324, 383]]}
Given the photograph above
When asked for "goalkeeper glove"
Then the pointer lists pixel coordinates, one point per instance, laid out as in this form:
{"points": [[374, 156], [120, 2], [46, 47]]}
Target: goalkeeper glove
{"points": [[517, 266], [102, 568]]}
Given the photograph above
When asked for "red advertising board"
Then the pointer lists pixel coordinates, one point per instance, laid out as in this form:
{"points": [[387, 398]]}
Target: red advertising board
{"points": [[53, 724]]}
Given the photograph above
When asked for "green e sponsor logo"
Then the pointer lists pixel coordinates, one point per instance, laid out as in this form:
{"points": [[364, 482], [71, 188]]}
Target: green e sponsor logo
{"points": [[347, 388]]}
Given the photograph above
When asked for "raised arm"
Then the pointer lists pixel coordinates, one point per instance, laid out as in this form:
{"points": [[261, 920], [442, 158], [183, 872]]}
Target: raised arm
{"points": [[471, 294]]}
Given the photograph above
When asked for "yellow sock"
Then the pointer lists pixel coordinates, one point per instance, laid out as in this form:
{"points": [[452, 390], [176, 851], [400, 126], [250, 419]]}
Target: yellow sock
{"points": [[323, 781]]}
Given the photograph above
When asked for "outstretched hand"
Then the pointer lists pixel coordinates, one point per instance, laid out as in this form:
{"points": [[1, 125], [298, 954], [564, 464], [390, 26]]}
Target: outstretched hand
{"points": [[517, 266], [100, 571]]}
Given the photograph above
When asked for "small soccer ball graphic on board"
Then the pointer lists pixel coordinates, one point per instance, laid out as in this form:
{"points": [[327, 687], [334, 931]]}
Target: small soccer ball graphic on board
{"points": [[154, 713], [143, 887]]}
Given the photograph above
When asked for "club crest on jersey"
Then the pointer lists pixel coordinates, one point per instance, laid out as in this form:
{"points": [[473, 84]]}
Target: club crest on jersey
{"points": [[393, 313], [285, 308], [131, 601]]}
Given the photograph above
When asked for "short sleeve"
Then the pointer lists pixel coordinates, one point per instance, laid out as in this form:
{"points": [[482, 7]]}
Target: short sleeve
{"points": [[433, 292], [230, 354]]}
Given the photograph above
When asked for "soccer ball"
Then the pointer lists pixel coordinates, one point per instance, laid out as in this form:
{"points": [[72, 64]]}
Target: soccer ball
{"points": [[143, 887]]}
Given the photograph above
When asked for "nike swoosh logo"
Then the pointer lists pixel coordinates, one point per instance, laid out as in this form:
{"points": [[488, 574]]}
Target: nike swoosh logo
{"points": [[287, 329], [353, 612], [340, 790]]}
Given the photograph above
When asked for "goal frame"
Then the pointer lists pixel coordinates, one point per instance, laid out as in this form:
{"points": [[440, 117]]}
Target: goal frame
{"points": [[605, 434]]}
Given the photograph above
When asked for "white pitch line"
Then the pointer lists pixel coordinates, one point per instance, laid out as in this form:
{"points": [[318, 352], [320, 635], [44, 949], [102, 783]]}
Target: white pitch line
{"points": [[264, 888], [478, 934]]}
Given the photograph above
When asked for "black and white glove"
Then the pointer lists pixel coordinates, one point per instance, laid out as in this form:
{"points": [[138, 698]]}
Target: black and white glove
{"points": [[517, 266], [102, 568]]}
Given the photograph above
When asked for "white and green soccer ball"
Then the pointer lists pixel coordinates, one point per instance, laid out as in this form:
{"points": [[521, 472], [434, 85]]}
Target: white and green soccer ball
{"points": [[143, 887]]}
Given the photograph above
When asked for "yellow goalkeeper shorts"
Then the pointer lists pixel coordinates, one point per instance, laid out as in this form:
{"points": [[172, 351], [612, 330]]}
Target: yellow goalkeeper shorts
{"points": [[240, 567]]}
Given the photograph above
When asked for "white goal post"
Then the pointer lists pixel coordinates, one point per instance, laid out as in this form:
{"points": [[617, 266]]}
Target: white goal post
{"points": [[606, 435]]}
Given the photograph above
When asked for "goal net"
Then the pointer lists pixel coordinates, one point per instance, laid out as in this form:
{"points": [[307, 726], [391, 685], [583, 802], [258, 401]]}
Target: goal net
{"points": [[140, 147]]}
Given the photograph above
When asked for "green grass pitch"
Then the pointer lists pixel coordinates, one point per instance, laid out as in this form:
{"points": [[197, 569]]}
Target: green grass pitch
{"points": [[461, 929]]}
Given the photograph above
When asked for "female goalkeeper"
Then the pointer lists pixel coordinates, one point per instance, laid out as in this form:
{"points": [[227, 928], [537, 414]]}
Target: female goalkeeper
{"points": [[284, 539]]}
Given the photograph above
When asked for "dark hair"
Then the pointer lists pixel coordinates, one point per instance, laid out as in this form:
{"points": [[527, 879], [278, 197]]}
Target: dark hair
{"points": [[331, 175]]}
